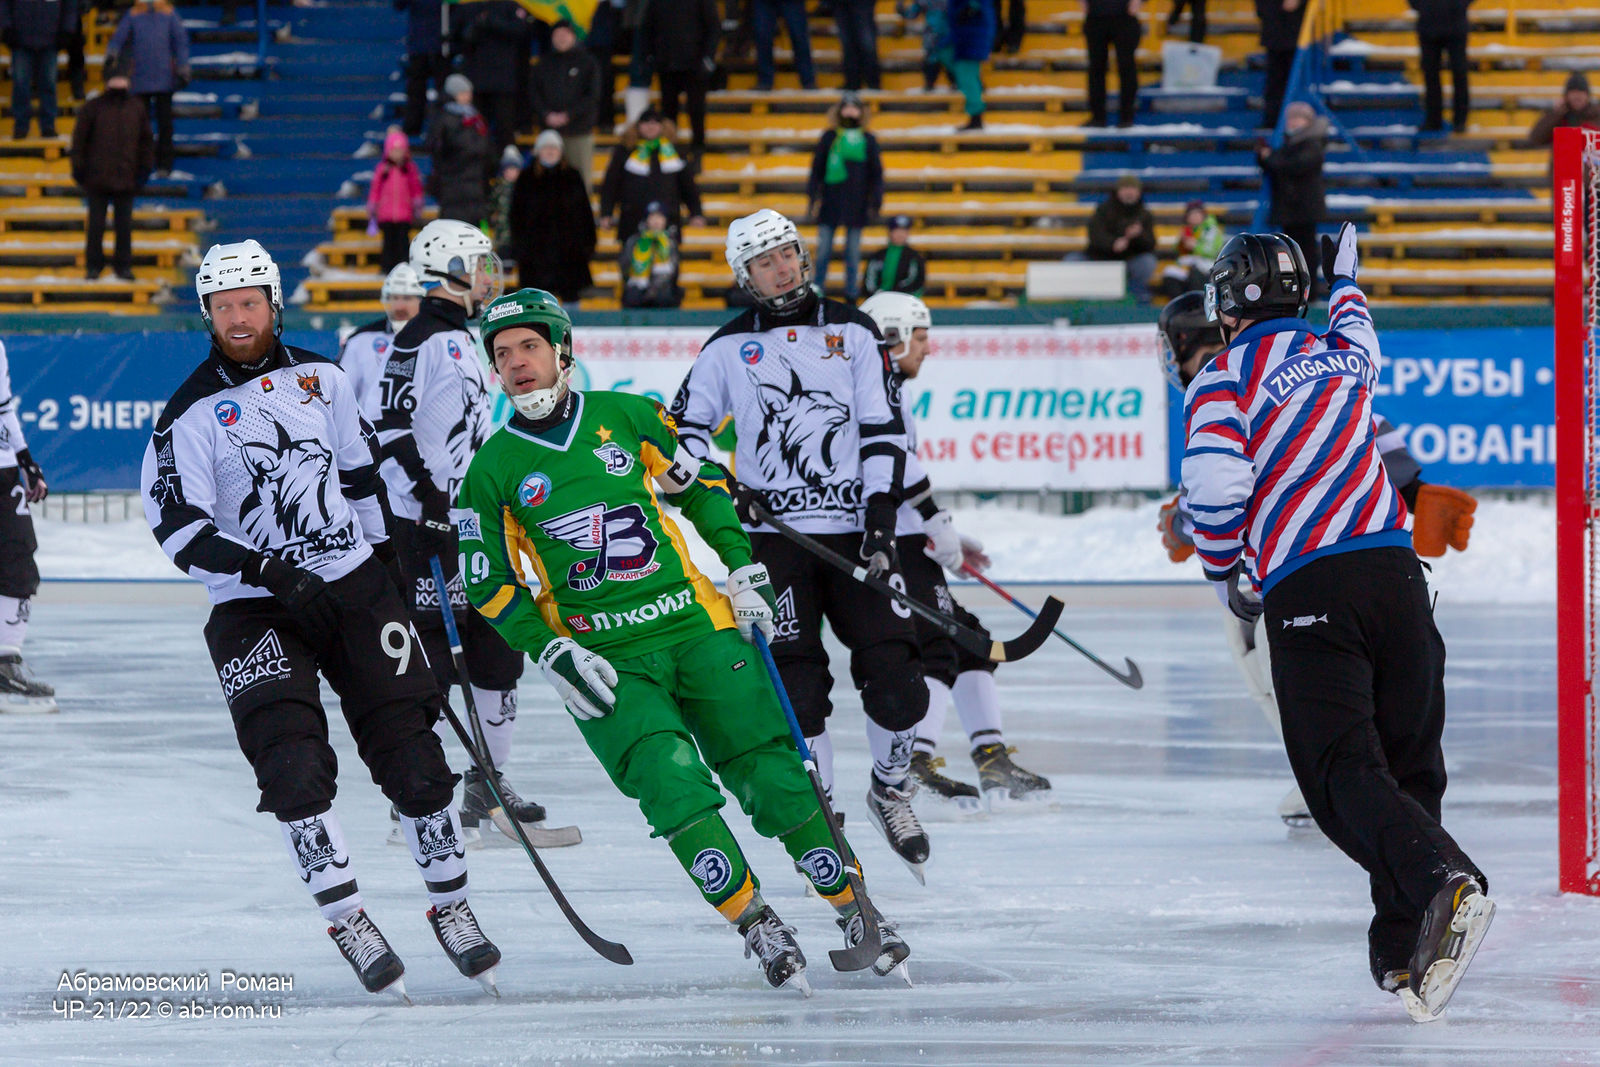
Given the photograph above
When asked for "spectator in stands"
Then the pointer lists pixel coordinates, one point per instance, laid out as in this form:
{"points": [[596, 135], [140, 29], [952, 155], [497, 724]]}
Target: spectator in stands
{"points": [[152, 38], [112, 153], [897, 268], [765, 17], [1280, 36], [394, 203], [680, 42], [1016, 26], [649, 264], [492, 39], [1574, 109], [566, 84], [645, 167], [1199, 242], [972, 33], [1108, 24], [1197, 18], [463, 155], [552, 224], [500, 190], [1299, 198], [1441, 28], [1122, 228], [73, 43], [33, 29], [606, 35], [935, 16], [858, 39], [425, 59], [845, 188]]}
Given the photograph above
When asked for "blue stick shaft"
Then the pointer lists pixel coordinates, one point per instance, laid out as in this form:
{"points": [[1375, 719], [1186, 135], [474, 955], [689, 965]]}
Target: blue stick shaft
{"points": [[783, 697], [444, 604]]}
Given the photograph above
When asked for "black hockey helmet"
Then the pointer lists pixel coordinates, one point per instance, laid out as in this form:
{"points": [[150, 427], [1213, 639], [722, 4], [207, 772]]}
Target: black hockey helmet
{"points": [[1258, 276], [1184, 328]]}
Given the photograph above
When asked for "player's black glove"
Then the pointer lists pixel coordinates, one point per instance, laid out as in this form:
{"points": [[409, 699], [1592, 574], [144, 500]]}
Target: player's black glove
{"points": [[877, 543], [385, 554], [436, 534], [1339, 256], [302, 592], [743, 496], [37, 489], [1244, 603]]}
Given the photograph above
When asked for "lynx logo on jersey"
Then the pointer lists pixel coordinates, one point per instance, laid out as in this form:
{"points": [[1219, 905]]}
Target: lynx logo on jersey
{"points": [[313, 846], [437, 838], [712, 868], [287, 506], [822, 866], [625, 544], [785, 624], [312, 386], [468, 435], [798, 431], [264, 663], [618, 460]]}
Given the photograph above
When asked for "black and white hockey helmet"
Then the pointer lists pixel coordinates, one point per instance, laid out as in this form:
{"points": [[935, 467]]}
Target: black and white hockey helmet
{"points": [[1184, 328], [1258, 276], [237, 266]]}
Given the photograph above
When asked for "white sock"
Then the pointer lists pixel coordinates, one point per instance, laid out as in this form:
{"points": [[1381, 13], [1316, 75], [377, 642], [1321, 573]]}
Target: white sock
{"points": [[978, 704], [497, 714], [932, 724], [13, 622], [891, 752], [821, 748], [317, 845], [435, 842]]}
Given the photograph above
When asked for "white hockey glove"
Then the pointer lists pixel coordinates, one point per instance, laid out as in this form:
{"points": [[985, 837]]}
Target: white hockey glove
{"points": [[1339, 256], [582, 679], [754, 604], [944, 544]]}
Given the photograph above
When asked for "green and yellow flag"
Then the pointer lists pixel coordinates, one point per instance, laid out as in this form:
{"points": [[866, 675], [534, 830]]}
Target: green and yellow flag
{"points": [[578, 12]]}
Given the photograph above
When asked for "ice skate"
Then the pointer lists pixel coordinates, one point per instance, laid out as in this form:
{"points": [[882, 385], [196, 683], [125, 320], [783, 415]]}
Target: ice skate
{"points": [[473, 954], [1452, 928], [477, 803], [470, 836], [1003, 782], [362, 944], [894, 950], [774, 946], [946, 791], [1399, 983], [20, 692], [889, 808], [1294, 812]]}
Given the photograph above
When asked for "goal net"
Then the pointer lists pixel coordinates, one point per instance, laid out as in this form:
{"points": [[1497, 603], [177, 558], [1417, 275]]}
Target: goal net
{"points": [[1576, 205]]}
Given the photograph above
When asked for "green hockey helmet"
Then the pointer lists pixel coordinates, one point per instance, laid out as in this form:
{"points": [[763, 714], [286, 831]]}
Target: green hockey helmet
{"points": [[541, 312]]}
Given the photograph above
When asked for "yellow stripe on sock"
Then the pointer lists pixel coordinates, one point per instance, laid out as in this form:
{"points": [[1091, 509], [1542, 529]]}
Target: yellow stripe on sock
{"points": [[735, 905]]}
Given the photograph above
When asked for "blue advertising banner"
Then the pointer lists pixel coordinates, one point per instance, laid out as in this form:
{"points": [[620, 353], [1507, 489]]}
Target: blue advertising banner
{"points": [[1477, 407]]}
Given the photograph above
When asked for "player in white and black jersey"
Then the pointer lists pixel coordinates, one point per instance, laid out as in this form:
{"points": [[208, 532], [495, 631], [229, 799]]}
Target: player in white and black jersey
{"points": [[821, 444], [21, 484], [432, 408], [929, 543], [365, 351], [261, 480]]}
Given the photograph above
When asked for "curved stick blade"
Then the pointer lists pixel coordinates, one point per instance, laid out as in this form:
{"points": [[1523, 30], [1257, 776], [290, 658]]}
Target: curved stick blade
{"points": [[1030, 639]]}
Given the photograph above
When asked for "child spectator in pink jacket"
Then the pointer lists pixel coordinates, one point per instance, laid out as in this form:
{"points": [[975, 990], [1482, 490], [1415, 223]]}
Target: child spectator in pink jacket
{"points": [[394, 204]]}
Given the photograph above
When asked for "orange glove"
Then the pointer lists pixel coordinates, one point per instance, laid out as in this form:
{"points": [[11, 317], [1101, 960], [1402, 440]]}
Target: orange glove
{"points": [[1172, 540], [1443, 517]]}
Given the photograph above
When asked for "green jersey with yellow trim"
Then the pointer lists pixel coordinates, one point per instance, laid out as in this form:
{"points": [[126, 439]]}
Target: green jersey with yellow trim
{"points": [[563, 532]]}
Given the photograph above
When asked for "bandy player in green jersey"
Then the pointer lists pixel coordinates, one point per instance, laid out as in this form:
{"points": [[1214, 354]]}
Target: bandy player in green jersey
{"points": [[650, 658]]}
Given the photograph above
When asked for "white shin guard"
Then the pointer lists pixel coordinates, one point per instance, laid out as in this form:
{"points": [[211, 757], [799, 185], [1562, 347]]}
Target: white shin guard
{"points": [[891, 752], [317, 845], [821, 748], [978, 704], [435, 843], [497, 715], [13, 621], [932, 724]]}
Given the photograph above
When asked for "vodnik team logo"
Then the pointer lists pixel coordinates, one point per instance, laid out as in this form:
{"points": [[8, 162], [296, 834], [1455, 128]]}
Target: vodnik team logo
{"points": [[751, 352], [618, 460], [535, 489], [626, 548], [227, 413], [822, 866], [712, 868]]}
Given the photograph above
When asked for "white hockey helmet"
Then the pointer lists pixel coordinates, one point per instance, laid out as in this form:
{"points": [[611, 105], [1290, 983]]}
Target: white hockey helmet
{"points": [[460, 258], [401, 281], [755, 235], [896, 314], [237, 266]]}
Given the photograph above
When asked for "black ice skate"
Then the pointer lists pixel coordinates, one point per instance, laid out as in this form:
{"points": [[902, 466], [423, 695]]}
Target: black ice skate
{"points": [[894, 948], [477, 803], [931, 783], [1452, 927], [1002, 781], [362, 944], [20, 692], [774, 946], [889, 808], [473, 954]]}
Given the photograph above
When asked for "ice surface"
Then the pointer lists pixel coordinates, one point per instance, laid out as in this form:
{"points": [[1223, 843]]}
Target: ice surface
{"points": [[1159, 915]]}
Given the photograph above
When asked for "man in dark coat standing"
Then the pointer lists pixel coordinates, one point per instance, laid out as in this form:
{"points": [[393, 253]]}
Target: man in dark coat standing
{"points": [[1280, 36], [1108, 24], [1441, 28], [1122, 228], [113, 152], [32, 29], [645, 168], [463, 156], [680, 40], [1299, 193], [425, 59], [552, 225], [566, 88], [493, 40]]}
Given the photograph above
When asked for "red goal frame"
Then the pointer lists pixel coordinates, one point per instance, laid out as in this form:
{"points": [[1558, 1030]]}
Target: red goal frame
{"points": [[1575, 206]]}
